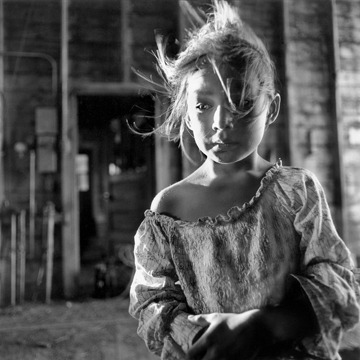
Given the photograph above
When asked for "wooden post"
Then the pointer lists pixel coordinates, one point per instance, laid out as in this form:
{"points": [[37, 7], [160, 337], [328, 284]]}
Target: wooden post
{"points": [[285, 110], [13, 259], [2, 182], [50, 250], [22, 253], [1, 264], [69, 149], [32, 204], [167, 157], [339, 173]]}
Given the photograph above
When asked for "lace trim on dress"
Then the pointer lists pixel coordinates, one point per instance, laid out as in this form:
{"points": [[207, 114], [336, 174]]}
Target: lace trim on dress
{"points": [[232, 213]]}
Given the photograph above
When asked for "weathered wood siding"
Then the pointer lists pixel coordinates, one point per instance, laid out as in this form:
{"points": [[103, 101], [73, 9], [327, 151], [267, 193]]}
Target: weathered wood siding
{"points": [[95, 40], [108, 37], [347, 15], [266, 19], [31, 29], [311, 89], [145, 18]]}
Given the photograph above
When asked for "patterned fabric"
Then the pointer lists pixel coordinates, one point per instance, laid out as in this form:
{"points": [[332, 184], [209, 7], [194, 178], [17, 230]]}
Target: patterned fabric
{"points": [[244, 260]]}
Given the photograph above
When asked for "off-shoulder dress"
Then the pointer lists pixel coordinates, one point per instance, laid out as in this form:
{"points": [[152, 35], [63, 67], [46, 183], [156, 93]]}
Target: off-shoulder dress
{"points": [[246, 259]]}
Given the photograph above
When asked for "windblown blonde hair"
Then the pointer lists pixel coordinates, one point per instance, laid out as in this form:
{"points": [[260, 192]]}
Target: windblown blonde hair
{"points": [[223, 39]]}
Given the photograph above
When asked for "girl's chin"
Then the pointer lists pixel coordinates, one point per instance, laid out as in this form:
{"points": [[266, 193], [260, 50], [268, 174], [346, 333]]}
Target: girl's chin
{"points": [[223, 159], [226, 158]]}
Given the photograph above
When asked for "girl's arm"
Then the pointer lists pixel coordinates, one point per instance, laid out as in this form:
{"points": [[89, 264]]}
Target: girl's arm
{"points": [[270, 331], [326, 269], [156, 299]]}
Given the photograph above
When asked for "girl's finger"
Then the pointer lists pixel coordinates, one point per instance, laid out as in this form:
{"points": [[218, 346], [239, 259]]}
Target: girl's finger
{"points": [[200, 320], [198, 350], [211, 354], [202, 345]]}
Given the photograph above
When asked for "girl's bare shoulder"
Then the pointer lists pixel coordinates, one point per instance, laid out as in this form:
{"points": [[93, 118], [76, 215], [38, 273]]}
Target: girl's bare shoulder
{"points": [[170, 200]]}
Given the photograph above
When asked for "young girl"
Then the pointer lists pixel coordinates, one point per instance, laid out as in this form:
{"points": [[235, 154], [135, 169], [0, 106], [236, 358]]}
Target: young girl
{"points": [[240, 260]]}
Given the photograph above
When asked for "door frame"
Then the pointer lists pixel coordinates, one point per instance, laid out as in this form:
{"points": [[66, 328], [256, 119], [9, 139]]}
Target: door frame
{"points": [[69, 195]]}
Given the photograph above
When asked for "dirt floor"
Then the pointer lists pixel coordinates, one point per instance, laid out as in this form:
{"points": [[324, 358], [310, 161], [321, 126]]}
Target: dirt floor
{"points": [[85, 329], [90, 329], [81, 330]]}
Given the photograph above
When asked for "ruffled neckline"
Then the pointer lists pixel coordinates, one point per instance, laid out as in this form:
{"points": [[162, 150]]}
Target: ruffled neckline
{"points": [[231, 214]]}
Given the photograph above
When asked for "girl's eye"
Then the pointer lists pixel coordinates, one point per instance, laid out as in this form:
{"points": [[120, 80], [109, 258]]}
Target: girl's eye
{"points": [[202, 107], [248, 104]]}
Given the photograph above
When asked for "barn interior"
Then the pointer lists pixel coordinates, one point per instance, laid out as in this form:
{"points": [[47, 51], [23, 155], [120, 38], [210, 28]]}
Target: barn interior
{"points": [[75, 179]]}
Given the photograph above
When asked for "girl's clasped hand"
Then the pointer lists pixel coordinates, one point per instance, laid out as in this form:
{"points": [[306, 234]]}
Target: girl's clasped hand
{"points": [[229, 336]]}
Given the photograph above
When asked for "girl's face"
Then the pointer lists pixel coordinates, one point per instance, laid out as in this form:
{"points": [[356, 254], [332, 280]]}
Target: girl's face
{"points": [[218, 132]]}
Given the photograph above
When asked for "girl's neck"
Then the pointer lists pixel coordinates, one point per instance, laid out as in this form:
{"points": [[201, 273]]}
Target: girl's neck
{"points": [[253, 165]]}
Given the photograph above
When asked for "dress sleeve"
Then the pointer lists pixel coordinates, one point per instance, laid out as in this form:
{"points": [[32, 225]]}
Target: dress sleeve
{"points": [[326, 273], [156, 298]]}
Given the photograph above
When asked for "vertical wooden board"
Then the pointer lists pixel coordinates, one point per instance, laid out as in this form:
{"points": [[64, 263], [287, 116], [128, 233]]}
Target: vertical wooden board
{"points": [[2, 183], [70, 202], [95, 40]]}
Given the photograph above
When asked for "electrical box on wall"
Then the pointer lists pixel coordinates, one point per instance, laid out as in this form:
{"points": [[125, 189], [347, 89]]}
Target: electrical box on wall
{"points": [[46, 135]]}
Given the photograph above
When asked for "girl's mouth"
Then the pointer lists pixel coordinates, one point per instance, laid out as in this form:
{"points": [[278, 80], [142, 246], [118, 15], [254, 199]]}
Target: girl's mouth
{"points": [[222, 145]]}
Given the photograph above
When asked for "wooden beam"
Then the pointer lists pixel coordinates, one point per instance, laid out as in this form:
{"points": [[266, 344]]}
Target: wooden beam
{"points": [[107, 88], [70, 202], [289, 159]]}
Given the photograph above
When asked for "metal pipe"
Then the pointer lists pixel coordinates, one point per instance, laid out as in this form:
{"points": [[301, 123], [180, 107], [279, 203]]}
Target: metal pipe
{"points": [[49, 58]]}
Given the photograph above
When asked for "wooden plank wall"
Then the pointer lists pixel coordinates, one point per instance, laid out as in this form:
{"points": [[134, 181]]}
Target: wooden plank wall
{"points": [[96, 45], [312, 110], [347, 16], [30, 28]]}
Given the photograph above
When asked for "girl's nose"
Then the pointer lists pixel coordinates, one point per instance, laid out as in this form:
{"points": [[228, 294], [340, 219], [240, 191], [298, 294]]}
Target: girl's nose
{"points": [[222, 118]]}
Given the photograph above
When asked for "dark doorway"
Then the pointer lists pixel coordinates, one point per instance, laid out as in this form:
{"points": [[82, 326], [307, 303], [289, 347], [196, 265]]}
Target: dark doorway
{"points": [[115, 170]]}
